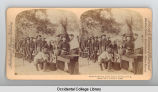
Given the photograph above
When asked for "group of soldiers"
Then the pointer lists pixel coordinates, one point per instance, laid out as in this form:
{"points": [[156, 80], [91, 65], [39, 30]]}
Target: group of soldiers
{"points": [[94, 46], [96, 49], [28, 46], [39, 50], [105, 51]]}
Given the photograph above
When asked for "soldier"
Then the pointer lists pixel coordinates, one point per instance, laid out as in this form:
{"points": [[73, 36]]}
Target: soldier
{"points": [[123, 44], [96, 42], [23, 46], [65, 50], [35, 43], [115, 47], [17, 46], [100, 45], [108, 42], [44, 42], [54, 45], [83, 44], [103, 42], [41, 59], [39, 42], [57, 44], [64, 47], [129, 44], [96, 49], [105, 59], [27, 49], [92, 45], [88, 47], [32, 48], [49, 46], [20, 46]]}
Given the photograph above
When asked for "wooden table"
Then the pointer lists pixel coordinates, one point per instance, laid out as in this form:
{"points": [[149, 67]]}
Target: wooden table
{"points": [[133, 63], [71, 60]]}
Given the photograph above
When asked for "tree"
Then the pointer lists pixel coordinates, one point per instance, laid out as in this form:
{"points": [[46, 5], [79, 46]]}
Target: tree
{"points": [[33, 22], [99, 21]]}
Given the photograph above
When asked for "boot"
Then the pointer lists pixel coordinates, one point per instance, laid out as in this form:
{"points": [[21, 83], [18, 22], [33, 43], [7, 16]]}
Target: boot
{"points": [[109, 65], [105, 65], [37, 67], [44, 66], [101, 67]]}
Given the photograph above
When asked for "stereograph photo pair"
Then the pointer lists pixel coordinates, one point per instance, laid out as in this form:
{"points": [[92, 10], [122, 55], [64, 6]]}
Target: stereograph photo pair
{"points": [[79, 44]]}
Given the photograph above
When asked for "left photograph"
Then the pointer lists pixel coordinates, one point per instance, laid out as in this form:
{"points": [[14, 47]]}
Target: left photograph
{"points": [[41, 35]]}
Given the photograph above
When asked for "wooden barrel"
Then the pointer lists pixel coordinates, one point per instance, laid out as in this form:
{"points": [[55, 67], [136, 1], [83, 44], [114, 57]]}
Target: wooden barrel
{"points": [[116, 66], [52, 66]]}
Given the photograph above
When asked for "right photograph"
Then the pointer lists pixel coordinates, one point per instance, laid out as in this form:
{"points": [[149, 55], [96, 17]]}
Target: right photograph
{"points": [[112, 39]]}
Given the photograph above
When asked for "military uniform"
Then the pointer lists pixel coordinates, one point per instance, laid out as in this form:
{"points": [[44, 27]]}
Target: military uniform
{"points": [[130, 47], [103, 44], [44, 43], [65, 48], [108, 43], [32, 49], [100, 47], [38, 44], [27, 50], [88, 44], [20, 46], [96, 50], [92, 46]]}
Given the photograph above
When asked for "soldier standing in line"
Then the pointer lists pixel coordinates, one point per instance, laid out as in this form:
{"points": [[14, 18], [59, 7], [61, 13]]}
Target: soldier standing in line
{"points": [[103, 42], [100, 45], [115, 47], [27, 49], [82, 47], [49, 47], [123, 44], [32, 48], [24, 48], [88, 47], [35, 43], [92, 48], [39, 42], [58, 44], [96, 49], [44, 42], [108, 42], [20, 46]]}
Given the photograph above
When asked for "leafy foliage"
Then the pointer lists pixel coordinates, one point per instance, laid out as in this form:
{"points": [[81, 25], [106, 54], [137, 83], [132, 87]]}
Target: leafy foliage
{"points": [[99, 21], [29, 20]]}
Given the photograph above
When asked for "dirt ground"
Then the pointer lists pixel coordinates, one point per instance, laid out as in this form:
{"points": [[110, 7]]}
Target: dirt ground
{"points": [[85, 68]]}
